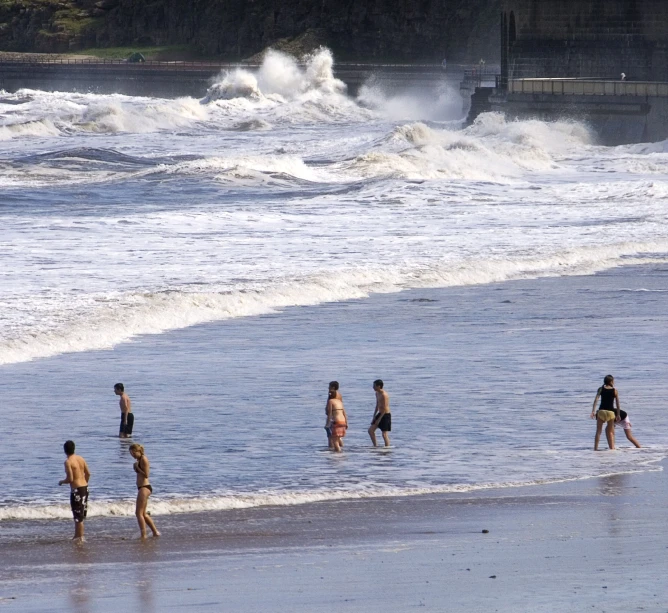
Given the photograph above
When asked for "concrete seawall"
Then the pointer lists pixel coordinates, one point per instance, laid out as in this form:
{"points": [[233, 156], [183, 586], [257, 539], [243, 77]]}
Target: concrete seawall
{"points": [[619, 112], [174, 79]]}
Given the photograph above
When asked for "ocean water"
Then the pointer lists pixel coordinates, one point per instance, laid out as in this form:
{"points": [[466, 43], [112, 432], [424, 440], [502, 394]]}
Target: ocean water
{"points": [[226, 257]]}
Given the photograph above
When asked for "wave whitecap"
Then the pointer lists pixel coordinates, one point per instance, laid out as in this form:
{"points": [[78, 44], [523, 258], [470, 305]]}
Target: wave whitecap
{"points": [[175, 505], [279, 76], [65, 114], [136, 314]]}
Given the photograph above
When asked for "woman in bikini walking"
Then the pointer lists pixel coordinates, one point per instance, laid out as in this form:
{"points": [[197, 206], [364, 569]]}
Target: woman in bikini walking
{"points": [[142, 467]]}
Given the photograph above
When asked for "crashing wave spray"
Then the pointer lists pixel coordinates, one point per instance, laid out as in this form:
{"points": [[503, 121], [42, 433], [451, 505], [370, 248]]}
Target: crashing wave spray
{"points": [[279, 75], [50, 114], [443, 103]]}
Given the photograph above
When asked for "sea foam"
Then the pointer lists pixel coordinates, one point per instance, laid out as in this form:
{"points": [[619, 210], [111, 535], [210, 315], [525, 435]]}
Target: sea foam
{"points": [[175, 505], [126, 317]]}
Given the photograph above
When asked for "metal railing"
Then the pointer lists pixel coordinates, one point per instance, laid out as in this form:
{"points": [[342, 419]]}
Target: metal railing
{"points": [[478, 77], [108, 62], [587, 87], [34, 59]]}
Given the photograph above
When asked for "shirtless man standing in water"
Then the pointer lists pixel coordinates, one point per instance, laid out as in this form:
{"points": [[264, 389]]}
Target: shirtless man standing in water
{"points": [[382, 417], [127, 418], [77, 475]]}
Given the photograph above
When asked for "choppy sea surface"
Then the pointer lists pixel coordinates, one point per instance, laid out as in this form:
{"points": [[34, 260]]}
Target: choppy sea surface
{"points": [[226, 257]]}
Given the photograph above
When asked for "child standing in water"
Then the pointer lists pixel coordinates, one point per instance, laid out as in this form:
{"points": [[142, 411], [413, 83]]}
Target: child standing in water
{"points": [[142, 467]]}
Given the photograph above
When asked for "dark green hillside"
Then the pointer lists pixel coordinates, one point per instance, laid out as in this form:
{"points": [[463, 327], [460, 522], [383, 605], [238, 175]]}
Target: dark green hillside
{"points": [[380, 30]]}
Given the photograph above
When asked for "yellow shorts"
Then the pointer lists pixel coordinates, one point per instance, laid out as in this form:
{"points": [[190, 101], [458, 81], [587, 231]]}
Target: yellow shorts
{"points": [[606, 415]]}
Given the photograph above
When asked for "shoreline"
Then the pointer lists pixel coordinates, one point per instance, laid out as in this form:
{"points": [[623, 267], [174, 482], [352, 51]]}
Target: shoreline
{"points": [[105, 528], [246, 501], [580, 534]]}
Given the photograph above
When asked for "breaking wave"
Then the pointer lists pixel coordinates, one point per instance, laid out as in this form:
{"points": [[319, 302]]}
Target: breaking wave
{"points": [[18, 129], [492, 149], [290, 92], [175, 505], [122, 319], [280, 77], [65, 114], [285, 91]]}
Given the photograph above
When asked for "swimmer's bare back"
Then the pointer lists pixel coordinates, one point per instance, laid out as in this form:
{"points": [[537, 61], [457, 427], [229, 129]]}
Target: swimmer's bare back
{"points": [[76, 471]]}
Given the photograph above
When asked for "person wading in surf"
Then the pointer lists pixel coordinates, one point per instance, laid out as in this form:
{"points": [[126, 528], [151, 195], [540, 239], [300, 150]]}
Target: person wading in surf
{"points": [[337, 422], [77, 476], [127, 417], [333, 394], [608, 414], [382, 418], [143, 468]]}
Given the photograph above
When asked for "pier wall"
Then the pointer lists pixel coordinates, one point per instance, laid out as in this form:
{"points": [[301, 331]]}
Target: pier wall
{"points": [[585, 38], [564, 59], [617, 112]]}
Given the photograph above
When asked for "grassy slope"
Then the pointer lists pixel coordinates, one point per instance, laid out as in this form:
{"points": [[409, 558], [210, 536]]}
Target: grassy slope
{"points": [[150, 53]]}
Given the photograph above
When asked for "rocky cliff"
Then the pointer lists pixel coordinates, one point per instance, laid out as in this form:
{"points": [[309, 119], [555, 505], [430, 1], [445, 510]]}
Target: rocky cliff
{"points": [[370, 30]]}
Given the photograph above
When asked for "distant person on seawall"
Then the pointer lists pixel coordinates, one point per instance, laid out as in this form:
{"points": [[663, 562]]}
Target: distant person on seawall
{"points": [[609, 394], [127, 418], [382, 417], [77, 476]]}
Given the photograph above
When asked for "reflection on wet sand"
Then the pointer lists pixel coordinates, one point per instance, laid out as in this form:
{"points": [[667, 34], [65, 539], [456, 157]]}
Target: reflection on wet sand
{"points": [[144, 588], [616, 486], [80, 592]]}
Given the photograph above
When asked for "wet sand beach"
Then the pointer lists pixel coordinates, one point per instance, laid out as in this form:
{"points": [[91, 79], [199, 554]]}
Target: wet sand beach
{"points": [[596, 544]]}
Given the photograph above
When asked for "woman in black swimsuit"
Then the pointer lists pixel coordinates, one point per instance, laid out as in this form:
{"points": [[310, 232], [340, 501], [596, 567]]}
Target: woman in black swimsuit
{"points": [[607, 413], [142, 467]]}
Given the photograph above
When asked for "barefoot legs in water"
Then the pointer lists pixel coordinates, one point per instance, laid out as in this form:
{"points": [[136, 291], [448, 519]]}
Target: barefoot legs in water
{"points": [[78, 532], [629, 436], [386, 438], [609, 433], [143, 518], [372, 436]]}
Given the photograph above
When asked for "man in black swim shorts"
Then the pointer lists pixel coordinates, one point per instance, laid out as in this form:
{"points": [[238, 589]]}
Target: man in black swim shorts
{"points": [[77, 475], [382, 418], [127, 417], [79, 504]]}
